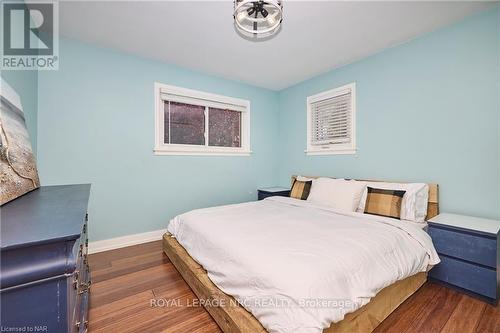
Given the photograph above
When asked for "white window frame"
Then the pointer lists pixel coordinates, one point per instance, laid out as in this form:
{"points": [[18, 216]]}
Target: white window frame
{"points": [[162, 148], [332, 149]]}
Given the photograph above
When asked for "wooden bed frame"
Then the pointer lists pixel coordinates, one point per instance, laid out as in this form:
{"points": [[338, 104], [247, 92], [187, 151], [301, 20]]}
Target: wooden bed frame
{"points": [[233, 318]]}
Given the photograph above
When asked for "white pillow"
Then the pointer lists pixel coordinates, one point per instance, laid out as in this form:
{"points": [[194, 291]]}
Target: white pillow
{"points": [[336, 193], [414, 204]]}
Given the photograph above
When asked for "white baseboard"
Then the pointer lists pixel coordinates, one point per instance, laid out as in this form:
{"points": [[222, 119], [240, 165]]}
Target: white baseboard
{"points": [[119, 242]]}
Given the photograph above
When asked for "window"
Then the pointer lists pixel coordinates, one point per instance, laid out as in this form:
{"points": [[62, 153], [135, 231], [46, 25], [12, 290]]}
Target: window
{"points": [[190, 122], [331, 121]]}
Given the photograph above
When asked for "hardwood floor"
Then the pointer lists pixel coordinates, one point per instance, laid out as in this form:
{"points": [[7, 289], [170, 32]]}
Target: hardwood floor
{"points": [[126, 281]]}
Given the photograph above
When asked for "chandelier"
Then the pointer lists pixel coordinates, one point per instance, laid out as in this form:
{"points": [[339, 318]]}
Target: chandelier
{"points": [[258, 19]]}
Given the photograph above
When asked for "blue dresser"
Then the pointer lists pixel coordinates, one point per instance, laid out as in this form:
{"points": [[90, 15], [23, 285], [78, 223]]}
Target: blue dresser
{"points": [[469, 249], [45, 277]]}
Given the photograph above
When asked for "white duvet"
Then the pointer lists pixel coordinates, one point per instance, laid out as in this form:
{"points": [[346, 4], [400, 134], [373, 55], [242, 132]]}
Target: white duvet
{"points": [[298, 267]]}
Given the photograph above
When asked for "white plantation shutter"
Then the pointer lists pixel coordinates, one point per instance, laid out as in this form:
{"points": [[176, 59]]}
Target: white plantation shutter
{"points": [[331, 120]]}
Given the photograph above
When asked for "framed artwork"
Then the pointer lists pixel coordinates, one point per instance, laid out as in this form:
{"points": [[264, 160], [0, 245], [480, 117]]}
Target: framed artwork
{"points": [[18, 172]]}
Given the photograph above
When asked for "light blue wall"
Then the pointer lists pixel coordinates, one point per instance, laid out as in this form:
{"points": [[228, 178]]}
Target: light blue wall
{"points": [[96, 125], [25, 83], [427, 111]]}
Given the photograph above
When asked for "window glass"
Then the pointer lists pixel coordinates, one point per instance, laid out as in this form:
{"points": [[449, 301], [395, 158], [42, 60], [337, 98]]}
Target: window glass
{"points": [[184, 124], [224, 128]]}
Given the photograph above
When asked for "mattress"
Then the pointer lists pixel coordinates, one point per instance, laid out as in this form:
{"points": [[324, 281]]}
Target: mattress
{"points": [[298, 267]]}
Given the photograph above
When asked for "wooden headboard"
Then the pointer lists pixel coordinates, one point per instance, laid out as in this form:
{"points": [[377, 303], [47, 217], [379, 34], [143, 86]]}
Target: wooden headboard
{"points": [[432, 204]]}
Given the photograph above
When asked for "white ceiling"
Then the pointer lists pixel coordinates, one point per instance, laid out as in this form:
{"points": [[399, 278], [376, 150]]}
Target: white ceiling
{"points": [[316, 36]]}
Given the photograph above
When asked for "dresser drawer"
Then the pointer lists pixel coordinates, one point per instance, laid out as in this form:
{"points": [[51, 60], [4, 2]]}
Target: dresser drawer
{"points": [[75, 284], [480, 280], [83, 323], [475, 248], [79, 283], [73, 301], [80, 292]]}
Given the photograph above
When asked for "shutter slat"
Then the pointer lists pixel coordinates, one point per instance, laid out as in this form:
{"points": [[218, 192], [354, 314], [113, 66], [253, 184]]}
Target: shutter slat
{"points": [[331, 120]]}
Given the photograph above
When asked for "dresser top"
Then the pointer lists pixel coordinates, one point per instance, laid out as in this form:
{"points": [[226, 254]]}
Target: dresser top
{"points": [[467, 222], [45, 215]]}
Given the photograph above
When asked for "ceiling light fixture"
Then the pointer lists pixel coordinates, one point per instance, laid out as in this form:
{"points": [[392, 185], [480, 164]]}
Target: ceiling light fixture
{"points": [[258, 19]]}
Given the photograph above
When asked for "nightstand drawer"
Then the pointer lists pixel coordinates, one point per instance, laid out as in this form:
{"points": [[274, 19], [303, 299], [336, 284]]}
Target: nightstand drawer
{"points": [[480, 280], [474, 248]]}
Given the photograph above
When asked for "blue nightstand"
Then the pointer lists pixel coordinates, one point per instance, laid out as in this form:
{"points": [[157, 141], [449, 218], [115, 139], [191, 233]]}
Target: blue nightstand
{"points": [[469, 249], [273, 192]]}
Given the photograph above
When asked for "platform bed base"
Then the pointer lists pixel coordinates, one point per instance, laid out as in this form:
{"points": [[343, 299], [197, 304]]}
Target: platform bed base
{"points": [[232, 318]]}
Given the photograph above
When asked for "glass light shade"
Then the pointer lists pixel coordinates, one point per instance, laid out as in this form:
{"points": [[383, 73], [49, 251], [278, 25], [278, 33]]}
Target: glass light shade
{"points": [[258, 18]]}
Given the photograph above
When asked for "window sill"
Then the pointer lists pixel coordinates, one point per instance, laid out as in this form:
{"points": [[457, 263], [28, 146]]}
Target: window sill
{"points": [[201, 152], [331, 152]]}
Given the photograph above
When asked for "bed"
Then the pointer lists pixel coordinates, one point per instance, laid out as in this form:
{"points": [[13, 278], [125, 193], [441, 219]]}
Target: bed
{"points": [[254, 260]]}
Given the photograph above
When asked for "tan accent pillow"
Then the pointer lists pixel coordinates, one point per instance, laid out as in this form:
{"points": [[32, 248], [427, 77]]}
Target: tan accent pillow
{"points": [[300, 190], [384, 202]]}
